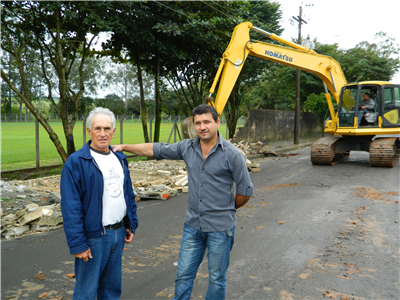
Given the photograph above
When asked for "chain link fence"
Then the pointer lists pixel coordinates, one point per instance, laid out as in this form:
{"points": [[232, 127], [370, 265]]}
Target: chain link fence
{"points": [[26, 144]]}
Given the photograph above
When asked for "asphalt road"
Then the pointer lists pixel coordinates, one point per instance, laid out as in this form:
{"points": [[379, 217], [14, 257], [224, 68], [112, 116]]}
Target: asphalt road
{"points": [[309, 232]]}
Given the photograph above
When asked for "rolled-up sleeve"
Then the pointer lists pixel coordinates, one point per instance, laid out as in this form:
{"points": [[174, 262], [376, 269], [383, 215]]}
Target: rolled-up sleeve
{"points": [[241, 176], [168, 151]]}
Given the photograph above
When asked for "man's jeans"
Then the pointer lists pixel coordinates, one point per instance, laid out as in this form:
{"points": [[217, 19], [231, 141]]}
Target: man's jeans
{"points": [[193, 246], [360, 115], [101, 275]]}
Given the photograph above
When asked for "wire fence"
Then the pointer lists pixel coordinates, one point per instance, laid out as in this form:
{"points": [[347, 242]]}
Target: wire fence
{"points": [[28, 117], [26, 144]]}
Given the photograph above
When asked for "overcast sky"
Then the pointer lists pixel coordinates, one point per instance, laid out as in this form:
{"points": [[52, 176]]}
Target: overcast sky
{"points": [[346, 22]]}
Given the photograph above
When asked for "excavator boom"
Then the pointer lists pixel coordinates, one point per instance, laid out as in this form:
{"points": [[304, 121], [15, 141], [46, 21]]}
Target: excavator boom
{"points": [[346, 121], [300, 57]]}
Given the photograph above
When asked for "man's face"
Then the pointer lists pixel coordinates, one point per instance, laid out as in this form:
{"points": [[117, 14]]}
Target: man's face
{"points": [[101, 132], [205, 126], [366, 97]]}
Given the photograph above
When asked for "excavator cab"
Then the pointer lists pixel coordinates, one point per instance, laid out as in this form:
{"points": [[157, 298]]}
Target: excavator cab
{"points": [[369, 134], [350, 113]]}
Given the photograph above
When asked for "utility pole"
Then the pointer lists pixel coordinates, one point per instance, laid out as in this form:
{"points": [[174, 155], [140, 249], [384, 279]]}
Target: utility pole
{"points": [[300, 20]]}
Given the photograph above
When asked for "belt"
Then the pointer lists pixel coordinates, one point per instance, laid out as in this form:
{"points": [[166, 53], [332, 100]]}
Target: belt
{"points": [[114, 226]]}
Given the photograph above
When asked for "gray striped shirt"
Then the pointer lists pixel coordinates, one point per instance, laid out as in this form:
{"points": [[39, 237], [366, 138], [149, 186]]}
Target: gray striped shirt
{"points": [[211, 204]]}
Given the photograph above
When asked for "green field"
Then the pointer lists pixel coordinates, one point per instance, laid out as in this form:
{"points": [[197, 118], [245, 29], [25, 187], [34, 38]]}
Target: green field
{"points": [[18, 142]]}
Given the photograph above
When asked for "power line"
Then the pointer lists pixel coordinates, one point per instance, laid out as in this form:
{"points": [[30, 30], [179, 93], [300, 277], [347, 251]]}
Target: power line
{"points": [[249, 14], [190, 18], [215, 9], [157, 18]]}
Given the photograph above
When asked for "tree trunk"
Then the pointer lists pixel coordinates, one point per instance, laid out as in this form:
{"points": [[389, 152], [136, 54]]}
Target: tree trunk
{"points": [[143, 112], [157, 124], [232, 110], [53, 136]]}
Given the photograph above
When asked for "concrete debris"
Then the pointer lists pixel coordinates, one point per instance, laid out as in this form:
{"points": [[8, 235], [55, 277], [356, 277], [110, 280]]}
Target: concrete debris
{"points": [[170, 177], [164, 178], [248, 149], [25, 203], [30, 206], [56, 196], [30, 217], [14, 231]]}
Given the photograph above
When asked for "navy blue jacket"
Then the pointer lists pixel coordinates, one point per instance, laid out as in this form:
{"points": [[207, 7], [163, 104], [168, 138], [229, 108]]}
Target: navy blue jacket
{"points": [[82, 198]]}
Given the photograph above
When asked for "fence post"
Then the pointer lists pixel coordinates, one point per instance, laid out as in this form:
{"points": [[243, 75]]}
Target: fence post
{"points": [[121, 136], [84, 130], [37, 143], [174, 129]]}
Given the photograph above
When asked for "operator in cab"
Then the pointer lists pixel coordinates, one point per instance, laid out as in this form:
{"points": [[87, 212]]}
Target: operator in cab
{"points": [[367, 105]]}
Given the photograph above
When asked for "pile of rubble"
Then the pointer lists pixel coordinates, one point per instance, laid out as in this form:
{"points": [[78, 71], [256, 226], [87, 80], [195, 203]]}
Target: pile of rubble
{"points": [[165, 178], [28, 207], [34, 205], [158, 179], [258, 148]]}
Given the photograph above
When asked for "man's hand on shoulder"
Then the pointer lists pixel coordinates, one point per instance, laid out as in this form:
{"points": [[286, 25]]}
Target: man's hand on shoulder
{"points": [[144, 149], [117, 148]]}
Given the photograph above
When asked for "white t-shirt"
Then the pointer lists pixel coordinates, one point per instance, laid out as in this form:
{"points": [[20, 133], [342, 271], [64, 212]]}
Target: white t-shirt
{"points": [[114, 206]]}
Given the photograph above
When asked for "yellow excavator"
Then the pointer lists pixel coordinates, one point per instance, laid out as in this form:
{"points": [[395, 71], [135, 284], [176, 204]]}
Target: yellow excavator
{"points": [[350, 127]]}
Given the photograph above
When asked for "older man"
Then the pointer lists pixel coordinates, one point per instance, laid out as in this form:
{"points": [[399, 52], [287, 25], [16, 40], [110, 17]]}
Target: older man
{"points": [[99, 210], [213, 166]]}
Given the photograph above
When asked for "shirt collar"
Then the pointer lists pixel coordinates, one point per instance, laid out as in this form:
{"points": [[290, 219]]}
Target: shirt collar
{"points": [[196, 141]]}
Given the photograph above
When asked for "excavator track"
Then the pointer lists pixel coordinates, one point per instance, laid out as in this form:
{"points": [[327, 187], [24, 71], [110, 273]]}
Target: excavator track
{"points": [[324, 151], [384, 152]]}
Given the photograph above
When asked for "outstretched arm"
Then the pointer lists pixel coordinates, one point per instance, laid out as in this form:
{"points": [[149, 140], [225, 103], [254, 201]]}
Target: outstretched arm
{"points": [[145, 149]]}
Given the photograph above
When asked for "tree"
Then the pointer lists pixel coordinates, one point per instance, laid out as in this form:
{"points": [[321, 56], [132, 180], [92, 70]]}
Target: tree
{"points": [[179, 41], [114, 103], [122, 78], [370, 62], [318, 105], [57, 32], [265, 15], [7, 94]]}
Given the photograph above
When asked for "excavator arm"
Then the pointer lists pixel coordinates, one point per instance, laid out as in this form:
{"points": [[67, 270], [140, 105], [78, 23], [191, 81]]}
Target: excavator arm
{"points": [[296, 56]]}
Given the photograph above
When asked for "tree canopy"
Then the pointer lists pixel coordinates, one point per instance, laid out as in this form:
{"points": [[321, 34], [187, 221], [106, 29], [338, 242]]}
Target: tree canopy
{"points": [[56, 32], [48, 45]]}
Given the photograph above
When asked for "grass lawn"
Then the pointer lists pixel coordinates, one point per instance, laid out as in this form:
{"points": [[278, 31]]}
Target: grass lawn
{"points": [[18, 142]]}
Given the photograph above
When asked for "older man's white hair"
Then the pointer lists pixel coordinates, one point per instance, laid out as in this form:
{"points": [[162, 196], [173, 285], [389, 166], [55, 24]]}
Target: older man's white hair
{"points": [[97, 111]]}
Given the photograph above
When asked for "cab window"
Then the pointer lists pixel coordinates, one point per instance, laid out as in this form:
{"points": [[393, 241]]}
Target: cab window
{"points": [[391, 105]]}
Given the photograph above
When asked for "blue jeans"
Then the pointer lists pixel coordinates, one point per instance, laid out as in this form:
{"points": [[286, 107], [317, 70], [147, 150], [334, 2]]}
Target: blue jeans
{"points": [[360, 115], [101, 275], [193, 246]]}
